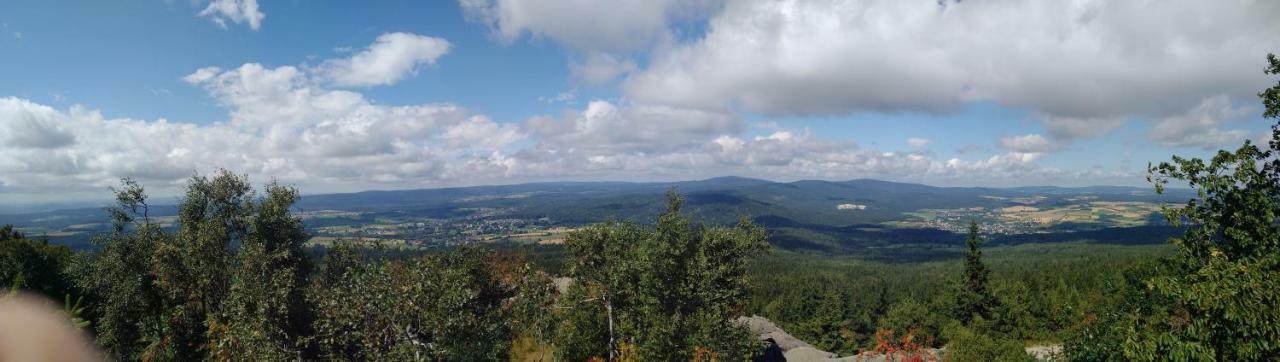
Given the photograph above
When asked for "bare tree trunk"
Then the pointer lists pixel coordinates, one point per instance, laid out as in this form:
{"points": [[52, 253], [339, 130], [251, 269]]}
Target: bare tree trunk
{"points": [[613, 348]]}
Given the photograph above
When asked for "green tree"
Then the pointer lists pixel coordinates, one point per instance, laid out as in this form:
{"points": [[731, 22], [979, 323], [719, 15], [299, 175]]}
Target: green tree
{"points": [[1225, 285], [193, 267], [668, 291], [973, 297], [266, 315], [911, 319], [829, 324], [231, 280], [447, 306], [40, 266], [120, 280], [583, 331], [967, 344]]}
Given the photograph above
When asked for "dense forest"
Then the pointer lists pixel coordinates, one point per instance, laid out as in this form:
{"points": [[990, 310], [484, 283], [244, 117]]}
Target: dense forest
{"points": [[236, 281]]}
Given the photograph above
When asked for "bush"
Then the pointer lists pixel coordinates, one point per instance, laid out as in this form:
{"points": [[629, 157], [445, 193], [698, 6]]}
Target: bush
{"points": [[968, 344]]}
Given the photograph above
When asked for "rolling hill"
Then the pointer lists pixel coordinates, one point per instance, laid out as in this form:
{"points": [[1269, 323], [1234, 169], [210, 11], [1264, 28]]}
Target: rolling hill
{"points": [[826, 216]]}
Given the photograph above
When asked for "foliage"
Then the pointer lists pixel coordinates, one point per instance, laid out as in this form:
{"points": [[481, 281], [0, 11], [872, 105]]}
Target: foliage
{"points": [[266, 314], [236, 282], [967, 344], [120, 280], [1127, 304], [1219, 298], [665, 291], [900, 346], [445, 306], [40, 264], [912, 321], [1044, 291]]}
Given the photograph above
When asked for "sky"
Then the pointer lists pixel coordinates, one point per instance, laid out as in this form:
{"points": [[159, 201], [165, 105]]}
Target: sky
{"points": [[335, 96]]}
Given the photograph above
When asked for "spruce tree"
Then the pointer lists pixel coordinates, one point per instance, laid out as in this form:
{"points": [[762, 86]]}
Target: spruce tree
{"points": [[974, 299]]}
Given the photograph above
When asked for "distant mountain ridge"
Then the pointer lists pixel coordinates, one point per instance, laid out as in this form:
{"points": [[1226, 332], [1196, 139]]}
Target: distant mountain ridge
{"points": [[806, 214]]}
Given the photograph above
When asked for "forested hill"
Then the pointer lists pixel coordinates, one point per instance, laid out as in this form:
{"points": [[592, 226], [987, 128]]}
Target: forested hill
{"points": [[818, 200], [817, 215]]}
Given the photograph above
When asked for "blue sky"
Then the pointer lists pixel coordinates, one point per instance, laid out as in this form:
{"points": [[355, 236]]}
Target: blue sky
{"points": [[341, 96]]}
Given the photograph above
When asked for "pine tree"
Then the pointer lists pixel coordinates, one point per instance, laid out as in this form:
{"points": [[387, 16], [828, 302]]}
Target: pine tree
{"points": [[974, 299]]}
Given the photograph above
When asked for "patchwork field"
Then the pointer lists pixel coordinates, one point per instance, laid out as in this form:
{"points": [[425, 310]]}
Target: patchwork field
{"points": [[550, 236], [1031, 218]]}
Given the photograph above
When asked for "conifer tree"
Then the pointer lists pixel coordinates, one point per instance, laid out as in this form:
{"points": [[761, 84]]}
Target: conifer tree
{"points": [[974, 299]]}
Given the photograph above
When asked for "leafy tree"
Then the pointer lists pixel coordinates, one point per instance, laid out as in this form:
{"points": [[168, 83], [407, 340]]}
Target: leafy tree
{"points": [[972, 345], [446, 306], [530, 310], [193, 266], [911, 320], [266, 315], [973, 298], [120, 279], [582, 333], [40, 266], [1130, 309], [668, 291], [1225, 284]]}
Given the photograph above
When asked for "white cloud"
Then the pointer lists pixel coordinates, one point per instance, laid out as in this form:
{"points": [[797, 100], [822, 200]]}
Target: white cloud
{"points": [[1086, 65], [391, 58], [1200, 126], [236, 11], [1066, 128], [605, 127], [600, 68], [483, 133], [623, 25], [284, 127], [780, 148], [918, 142], [29, 125], [1029, 144]]}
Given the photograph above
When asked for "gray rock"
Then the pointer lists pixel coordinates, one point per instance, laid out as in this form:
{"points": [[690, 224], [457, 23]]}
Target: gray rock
{"points": [[766, 329]]}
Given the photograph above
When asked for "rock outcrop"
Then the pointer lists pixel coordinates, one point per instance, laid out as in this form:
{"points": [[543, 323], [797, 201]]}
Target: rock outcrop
{"points": [[792, 347], [797, 350]]}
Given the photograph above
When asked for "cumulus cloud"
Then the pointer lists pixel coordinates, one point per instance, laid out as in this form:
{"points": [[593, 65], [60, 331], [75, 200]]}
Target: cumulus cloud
{"points": [[1086, 65], [391, 58], [1029, 144], [625, 25], [483, 133], [779, 148], [284, 127], [1082, 67], [29, 125], [600, 68], [295, 115], [1200, 126], [1067, 128], [283, 122], [236, 11]]}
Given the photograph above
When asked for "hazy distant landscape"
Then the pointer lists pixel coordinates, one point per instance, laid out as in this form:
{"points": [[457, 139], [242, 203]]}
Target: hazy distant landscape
{"points": [[802, 215]]}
